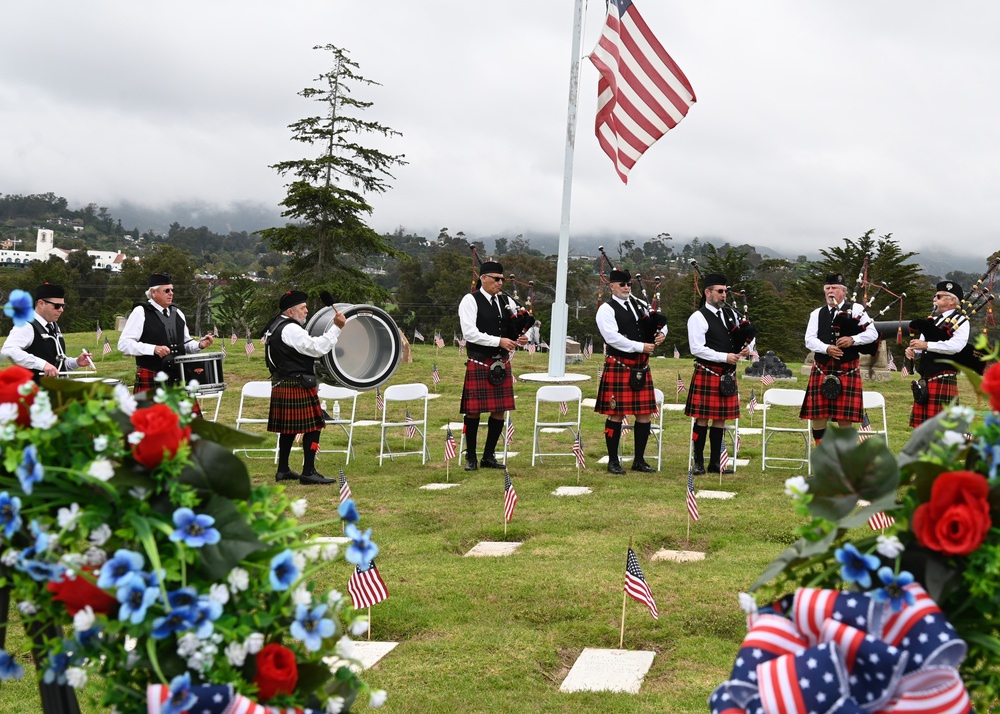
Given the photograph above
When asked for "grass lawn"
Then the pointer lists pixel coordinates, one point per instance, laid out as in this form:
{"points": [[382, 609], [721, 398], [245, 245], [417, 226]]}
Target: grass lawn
{"points": [[500, 634]]}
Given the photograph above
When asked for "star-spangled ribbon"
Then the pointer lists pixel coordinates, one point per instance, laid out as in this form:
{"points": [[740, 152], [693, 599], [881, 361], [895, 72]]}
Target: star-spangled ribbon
{"points": [[215, 699], [846, 653]]}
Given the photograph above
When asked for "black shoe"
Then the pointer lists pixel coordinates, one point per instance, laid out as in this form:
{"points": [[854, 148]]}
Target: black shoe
{"points": [[714, 469], [286, 476], [315, 478], [699, 468], [642, 467], [490, 462], [471, 465], [615, 468]]}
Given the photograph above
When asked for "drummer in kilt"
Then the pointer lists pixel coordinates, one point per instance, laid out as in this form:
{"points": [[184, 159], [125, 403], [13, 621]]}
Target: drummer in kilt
{"points": [[291, 354], [714, 393], [489, 384], [626, 382], [834, 390], [941, 378]]}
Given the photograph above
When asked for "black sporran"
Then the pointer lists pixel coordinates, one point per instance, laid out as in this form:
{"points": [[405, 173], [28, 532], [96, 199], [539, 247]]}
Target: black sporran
{"points": [[921, 394], [308, 381], [637, 377], [497, 374], [727, 384], [831, 387]]}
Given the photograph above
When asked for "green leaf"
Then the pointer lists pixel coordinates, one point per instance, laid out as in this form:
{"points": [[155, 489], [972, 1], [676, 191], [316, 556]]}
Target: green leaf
{"points": [[923, 436], [796, 554], [312, 676], [217, 470], [845, 471], [224, 435], [238, 540]]}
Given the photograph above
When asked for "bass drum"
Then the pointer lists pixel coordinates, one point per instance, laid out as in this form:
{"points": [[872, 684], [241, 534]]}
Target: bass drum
{"points": [[367, 352]]}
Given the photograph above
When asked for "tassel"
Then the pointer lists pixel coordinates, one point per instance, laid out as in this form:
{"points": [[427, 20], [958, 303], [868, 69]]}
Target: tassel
{"points": [[899, 335]]}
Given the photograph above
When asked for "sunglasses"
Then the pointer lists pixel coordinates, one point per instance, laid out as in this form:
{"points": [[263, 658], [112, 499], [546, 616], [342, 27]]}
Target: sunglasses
{"points": [[494, 278], [941, 296], [56, 305], [168, 290], [721, 291], [624, 285]]}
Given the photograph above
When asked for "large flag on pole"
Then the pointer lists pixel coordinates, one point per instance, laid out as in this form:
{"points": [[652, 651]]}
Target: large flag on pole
{"points": [[642, 94], [635, 584]]}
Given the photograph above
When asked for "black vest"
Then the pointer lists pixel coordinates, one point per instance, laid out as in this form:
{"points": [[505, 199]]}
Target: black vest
{"points": [[44, 346], [157, 329], [825, 333], [628, 326], [717, 338], [488, 321], [932, 363], [284, 362]]}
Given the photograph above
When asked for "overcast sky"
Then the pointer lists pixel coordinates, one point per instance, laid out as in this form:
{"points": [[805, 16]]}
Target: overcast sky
{"points": [[815, 121]]}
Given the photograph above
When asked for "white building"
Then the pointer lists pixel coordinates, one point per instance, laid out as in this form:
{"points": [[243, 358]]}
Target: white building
{"points": [[45, 248]]}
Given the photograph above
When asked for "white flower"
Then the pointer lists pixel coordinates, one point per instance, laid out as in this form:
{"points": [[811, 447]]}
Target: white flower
{"points": [[889, 546], [311, 553], [952, 438], [219, 593], [99, 536], [748, 604], [239, 580], [334, 705], [330, 551], [345, 648], [334, 598], [101, 469], [100, 443], [67, 517], [126, 402], [139, 493], [10, 557], [185, 407], [27, 607], [8, 412], [301, 595], [187, 644], [84, 619], [298, 507], [27, 388], [42, 416], [236, 653], [135, 437], [796, 486], [76, 677], [161, 377], [377, 698], [300, 561], [968, 414], [74, 561], [94, 557], [255, 643], [133, 658], [193, 385], [8, 432], [359, 626]]}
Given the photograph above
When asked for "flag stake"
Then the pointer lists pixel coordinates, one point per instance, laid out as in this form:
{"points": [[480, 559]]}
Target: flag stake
{"points": [[369, 622], [621, 635]]}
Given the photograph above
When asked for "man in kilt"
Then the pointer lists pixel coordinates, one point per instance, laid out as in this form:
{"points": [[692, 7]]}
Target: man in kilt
{"points": [[941, 379], [489, 384], [618, 393], [834, 390], [155, 333], [291, 354], [39, 344], [710, 340]]}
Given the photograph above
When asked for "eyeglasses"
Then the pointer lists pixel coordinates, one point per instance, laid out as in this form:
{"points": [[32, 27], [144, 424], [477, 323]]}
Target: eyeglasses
{"points": [[56, 305], [168, 290], [624, 285], [494, 278], [942, 296], [721, 291]]}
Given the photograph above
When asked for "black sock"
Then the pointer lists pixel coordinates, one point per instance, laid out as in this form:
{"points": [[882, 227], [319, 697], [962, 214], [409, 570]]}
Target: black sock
{"points": [[612, 436], [818, 434], [641, 430], [285, 442], [493, 429], [471, 426], [715, 435], [310, 446], [698, 434]]}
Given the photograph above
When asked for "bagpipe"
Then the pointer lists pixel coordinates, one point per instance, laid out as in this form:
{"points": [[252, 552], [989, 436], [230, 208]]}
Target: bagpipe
{"points": [[651, 320], [741, 330], [518, 321], [846, 324]]}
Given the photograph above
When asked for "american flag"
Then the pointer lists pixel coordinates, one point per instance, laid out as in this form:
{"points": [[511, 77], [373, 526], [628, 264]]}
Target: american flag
{"points": [[509, 496], [625, 425], [680, 384], [435, 375], [107, 347], [588, 349], [234, 338], [724, 456], [599, 372], [250, 349], [635, 583], [531, 349], [211, 699], [641, 93], [510, 429], [461, 344], [417, 335], [379, 402], [677, 353], [904, 372], [581, 460], [880, 521], [345, 490], [450, 448], [215, 330], [752, 404], [222, 344], [865, 431], [411, 430], [754, 356], [766, 380], [438, 340], [738, 444], [563, 408], [366, 587], [543, 344], [100, 333], [892, 363], [691, 500]]}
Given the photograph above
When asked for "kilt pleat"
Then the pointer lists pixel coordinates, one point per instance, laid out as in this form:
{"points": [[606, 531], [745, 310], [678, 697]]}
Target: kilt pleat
{"points": [[704, 400], [614, 384], [294, 409], [479, 396], [145, 380], [849, 406], [941, 390]]}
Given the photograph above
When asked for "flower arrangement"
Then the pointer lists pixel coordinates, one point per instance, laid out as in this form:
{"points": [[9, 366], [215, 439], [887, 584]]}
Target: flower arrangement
{"points": [[924, 594], [136, 548]]}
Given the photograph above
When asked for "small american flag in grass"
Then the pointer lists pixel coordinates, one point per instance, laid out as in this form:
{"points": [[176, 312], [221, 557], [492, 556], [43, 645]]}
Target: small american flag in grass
{"points": [[904, 372], [450, 448], [379, 402], [510, 429], [680, 384], [366, 587], [692, 502], [345, 490], [635, 584], [234, 339], [766, 380], [107, 347], [581, 460], [865, 431], [435, 375], [509, 496], [250, 349], [411, 430], [752, 404], [563, 408], [724, 456]]}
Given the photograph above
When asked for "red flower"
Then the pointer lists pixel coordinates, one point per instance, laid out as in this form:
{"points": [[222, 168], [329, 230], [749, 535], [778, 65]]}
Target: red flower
{"points": [[163, 434], [957, 518], [78, 592], [11, 380], [277, 672], [991, 386]]}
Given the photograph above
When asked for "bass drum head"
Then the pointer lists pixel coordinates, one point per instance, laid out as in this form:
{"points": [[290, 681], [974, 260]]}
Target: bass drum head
{"points": [[368, 350]]}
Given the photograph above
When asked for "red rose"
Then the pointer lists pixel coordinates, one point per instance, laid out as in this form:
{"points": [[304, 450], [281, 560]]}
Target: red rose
{"points": [[957, 518], [11, 380], [991, 386], [277, 672], [163, 434], [79, 592]]}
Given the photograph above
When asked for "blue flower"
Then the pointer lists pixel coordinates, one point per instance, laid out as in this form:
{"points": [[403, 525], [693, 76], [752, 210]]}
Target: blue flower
{"points": [[39, 570], [30, 471], [56, 671], [184, 597], [180, 619], [361, 550], [311, 627], [283, 570], [206, 612], [348, 512], [181, 697], [20, 308], [893, 591], [991, 455], [10, 514], [856, 566], [41, 543], [136, 596], [118, 571], [194, 530], [9, 668]]}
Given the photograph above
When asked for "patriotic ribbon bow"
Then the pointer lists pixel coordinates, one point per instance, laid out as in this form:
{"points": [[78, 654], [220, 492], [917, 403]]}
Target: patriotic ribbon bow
{"points": [[846, 653], [216, 699]]}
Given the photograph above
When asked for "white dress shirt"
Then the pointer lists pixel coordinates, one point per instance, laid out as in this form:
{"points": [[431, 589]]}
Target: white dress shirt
{"points": [[697, 329], [954, 344], [857, 310], [299, 339], [607, 325], [129, 344], [468, 311], [20, 338]]}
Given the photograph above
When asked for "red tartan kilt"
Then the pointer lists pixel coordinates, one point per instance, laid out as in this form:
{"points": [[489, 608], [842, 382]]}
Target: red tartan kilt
{"points": [[614, 383], [940, 393], [145, 380], [849, 406], [294, 409], [479, 396], [704, 400]]}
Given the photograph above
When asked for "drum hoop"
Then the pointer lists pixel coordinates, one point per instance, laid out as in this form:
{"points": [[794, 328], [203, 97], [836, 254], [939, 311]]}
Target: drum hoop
{"points": [[204, 387]]}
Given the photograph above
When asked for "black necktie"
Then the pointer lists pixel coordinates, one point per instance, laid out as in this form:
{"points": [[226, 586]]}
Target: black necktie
{"points": [[52, 329], [166, 312], [496, 305]]}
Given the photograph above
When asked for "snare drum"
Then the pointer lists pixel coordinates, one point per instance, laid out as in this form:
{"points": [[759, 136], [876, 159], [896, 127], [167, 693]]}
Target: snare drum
{"points": [[206, 369]]}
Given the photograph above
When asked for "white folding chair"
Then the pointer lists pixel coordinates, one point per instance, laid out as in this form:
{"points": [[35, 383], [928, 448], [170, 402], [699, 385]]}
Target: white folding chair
{"points": [[254, 391], [876, 400], [731, 431], [330, 395], [404, 393], [785, 398], [202, 398], [556, 394]]}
